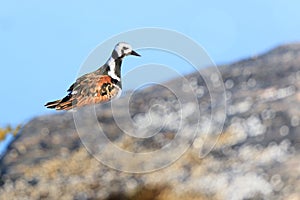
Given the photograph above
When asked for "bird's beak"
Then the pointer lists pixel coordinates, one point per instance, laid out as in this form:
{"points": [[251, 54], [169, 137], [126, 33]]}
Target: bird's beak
{"points": [[134, 53]]}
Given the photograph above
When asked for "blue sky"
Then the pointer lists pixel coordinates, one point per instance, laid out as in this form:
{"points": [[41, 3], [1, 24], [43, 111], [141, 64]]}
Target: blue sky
{"points": [[43, 44]]}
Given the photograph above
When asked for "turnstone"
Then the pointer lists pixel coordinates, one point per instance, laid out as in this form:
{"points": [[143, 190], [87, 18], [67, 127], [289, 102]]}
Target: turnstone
{"points": [[99, 86]]}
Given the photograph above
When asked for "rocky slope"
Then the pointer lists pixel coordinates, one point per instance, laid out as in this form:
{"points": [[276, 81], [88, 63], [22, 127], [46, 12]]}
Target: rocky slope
{"points": [[257, 156]]}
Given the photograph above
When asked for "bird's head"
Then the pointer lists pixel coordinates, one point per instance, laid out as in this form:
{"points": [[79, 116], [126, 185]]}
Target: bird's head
{"points": [[124, 49]]}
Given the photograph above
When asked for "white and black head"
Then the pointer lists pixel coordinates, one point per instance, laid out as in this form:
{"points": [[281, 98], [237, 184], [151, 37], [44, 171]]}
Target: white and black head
{"points": [[113, 65], [123, 49]]}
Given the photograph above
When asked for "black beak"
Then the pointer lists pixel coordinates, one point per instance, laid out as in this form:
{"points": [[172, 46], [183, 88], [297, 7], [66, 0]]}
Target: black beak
{"points": [[134, 53]]}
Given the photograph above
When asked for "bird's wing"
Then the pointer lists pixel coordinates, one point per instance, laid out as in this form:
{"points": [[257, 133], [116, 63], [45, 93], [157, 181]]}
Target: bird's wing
{"points": [[84, 77], [93, 88]]}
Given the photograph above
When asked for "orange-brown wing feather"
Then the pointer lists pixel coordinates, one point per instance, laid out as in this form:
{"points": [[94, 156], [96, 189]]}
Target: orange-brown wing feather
{"points": [[89, 89]]}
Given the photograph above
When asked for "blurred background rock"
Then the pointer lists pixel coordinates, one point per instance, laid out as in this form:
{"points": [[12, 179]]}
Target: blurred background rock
{"points": [[257, 156]]}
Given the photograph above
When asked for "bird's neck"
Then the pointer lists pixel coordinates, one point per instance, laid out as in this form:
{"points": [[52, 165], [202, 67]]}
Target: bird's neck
{"points": [[114, 66]]}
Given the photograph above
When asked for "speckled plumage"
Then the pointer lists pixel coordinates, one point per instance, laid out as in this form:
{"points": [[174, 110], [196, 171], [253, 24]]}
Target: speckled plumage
{"points": [[99, 86]]}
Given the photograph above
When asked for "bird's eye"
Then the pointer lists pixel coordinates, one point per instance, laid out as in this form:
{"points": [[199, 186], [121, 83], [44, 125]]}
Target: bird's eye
{"points": [[125, 48]]}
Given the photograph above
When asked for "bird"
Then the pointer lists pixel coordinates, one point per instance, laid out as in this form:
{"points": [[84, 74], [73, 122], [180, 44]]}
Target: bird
{"points": [[98, 86]]}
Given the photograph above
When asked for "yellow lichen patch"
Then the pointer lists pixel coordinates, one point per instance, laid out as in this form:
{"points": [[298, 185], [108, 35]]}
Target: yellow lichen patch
{"points": [[163, 192], [8, 129], [62, 166], [230, 136]]}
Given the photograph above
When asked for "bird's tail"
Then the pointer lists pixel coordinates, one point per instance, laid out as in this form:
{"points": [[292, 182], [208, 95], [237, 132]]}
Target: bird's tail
{"points": [[53, 104], [61, 104]]}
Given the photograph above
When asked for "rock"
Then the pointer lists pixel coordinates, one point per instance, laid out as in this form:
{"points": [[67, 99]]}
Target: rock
{"points": [[257, 156]]}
